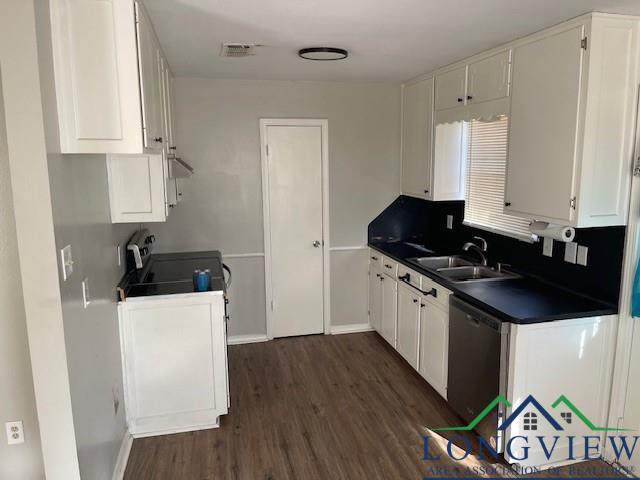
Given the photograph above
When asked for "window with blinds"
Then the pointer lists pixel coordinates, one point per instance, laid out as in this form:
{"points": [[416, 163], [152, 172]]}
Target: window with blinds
{"points": [[486, 170]]}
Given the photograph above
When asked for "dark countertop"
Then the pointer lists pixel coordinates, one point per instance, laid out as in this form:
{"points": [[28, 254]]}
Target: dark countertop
{"points": [[520, 300]]}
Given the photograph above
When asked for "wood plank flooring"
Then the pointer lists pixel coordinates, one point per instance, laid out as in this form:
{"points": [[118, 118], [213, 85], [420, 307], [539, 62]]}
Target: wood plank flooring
{"points": [[317, 407]]}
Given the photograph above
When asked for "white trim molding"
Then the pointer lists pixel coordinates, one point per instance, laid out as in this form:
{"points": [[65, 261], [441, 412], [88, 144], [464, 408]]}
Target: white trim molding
{"points": [[250, 338], [123, 456], [242, 255], [346, 249], [324, 125], [355, 328]]}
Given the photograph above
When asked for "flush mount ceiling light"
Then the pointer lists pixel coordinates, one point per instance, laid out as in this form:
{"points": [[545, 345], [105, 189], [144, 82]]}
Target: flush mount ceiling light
{"points": [[323, 53]]}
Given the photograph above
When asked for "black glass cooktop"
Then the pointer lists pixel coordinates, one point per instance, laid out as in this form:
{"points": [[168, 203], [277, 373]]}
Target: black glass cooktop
{"points": [[172, 273]]}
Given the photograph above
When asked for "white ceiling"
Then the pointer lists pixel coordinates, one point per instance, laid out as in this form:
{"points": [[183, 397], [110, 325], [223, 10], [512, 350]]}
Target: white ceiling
{"points": [[388, 40]]}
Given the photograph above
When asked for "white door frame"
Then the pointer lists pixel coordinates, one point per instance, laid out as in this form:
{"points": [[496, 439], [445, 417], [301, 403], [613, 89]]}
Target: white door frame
{"points": [[266, 214]]}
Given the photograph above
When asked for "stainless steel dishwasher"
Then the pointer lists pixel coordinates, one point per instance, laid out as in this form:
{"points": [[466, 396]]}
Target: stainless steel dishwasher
{"points": [[478, 361]]}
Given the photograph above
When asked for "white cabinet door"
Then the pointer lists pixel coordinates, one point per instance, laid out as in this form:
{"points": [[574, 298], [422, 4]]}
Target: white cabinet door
{"points": [[409, 307], [96, 75], [449, 161], [137, 188], [450, 89], [417, 134], [543, 125], [389, 309], [167, 107], [375, 299], [434, 346], [489, 78], [150, 80], [174, 361]]}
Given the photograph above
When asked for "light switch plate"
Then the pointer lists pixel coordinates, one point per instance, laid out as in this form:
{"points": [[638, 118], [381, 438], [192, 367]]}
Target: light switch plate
{"points": [[450, 222], [15, 432], [582, 255], [86, 298], [547, 246], [66, 260], [570, 252]]}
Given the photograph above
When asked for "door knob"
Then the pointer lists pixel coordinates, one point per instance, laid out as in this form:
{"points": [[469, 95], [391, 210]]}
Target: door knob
{"points": [[316, 243]]}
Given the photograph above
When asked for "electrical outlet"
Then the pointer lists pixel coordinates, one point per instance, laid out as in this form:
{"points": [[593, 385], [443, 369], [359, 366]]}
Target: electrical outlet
{"points": [[582, 255], [15, 432], [66, 260], [86, 297], [570, 252], [547, 247], [450, 222]]}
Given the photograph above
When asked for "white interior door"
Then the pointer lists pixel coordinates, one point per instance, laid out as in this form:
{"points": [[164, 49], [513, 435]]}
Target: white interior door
{"points": [[294, 168]]}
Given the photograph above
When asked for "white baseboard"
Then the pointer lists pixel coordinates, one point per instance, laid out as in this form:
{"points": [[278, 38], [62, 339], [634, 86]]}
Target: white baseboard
{"points": [[123, 456], [240, 339], [355, 328]]}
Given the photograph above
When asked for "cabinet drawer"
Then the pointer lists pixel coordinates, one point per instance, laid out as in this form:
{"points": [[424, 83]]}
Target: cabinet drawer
{"points": [[390, 267], [413, 277], [375, 258], [441, 297]]}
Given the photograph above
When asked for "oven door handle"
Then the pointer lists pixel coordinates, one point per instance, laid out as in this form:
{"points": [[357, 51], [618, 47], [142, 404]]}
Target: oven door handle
{"points": [[227, 283]]}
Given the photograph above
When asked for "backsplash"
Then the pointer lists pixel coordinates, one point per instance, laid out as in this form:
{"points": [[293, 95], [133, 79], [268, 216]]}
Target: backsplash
{"points": [[424, 222]]}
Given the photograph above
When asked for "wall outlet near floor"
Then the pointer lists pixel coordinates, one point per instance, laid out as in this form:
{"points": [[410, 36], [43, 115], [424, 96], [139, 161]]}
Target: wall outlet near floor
{"points": [[581, 258], [15, 432], [450, 222], [86, 297], [66, 260], [547, 246], [570, 252]]}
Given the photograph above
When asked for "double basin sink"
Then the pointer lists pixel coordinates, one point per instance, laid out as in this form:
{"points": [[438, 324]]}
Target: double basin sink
{"points": [[458, 269]]}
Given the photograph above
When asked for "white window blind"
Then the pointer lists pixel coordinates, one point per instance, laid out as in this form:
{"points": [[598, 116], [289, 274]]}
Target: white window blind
{"points": [[486, 170]]}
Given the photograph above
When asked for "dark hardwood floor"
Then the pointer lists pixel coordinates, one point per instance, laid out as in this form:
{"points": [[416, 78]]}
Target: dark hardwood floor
{"points": [[317, 407]]}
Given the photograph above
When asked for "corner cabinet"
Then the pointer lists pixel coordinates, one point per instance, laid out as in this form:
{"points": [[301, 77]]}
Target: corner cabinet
{"points": [[433, 159], [571, 125]]}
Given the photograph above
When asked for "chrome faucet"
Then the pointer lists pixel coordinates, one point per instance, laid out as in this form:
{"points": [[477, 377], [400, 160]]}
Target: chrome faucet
{"points": [[480, 250]]}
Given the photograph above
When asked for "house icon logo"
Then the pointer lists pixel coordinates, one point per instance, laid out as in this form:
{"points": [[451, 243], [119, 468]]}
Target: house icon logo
{"points": [[533, 413]]}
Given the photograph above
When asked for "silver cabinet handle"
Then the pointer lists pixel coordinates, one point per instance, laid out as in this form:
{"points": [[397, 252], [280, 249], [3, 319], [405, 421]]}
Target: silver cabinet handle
{"points": [[316, 243]]}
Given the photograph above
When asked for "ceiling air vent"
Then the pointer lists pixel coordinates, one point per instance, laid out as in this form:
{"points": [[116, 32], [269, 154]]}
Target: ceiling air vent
{"points": [[237, 50]]}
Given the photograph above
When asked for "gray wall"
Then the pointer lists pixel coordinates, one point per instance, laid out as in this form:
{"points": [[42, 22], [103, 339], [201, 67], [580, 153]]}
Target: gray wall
{"points": [[81, 217], [217, 132], [17, 400]]}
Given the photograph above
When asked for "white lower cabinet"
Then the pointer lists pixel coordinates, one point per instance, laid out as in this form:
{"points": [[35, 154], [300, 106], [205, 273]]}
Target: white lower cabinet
{"points": [[375, 298], [410, 305], [174, 362], [389, 296], [434, 346], [412, 314]]}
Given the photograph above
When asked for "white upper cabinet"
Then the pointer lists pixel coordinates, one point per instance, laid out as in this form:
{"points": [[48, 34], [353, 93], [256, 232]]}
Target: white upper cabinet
{"points": [[96, 75], [451, 88], [108, 75], [137, 188], [573, 104], [488, 79], [433, 159], [417, 135], [151, 80]]}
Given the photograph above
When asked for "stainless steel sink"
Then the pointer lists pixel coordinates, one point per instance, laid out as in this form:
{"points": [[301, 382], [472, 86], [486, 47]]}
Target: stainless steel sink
{"points": [[437, 263], [474, 273]]}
